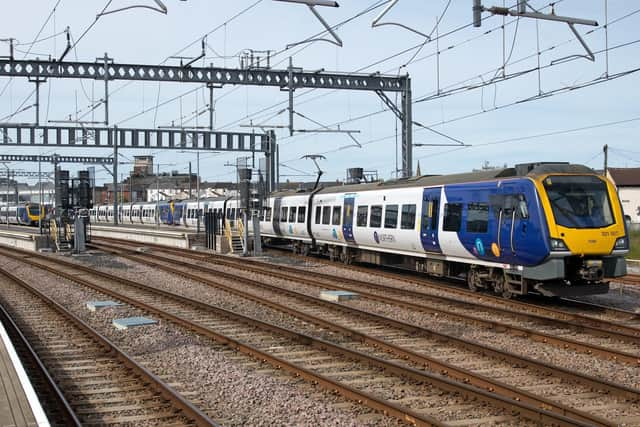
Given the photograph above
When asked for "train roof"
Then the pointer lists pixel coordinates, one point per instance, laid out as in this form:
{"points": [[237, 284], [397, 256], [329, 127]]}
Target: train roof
{"points": [[526, 169]]}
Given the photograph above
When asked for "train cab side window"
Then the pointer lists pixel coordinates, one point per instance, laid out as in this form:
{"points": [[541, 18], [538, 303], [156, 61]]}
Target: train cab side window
{"points": [[292, 214], [326, 215], [391, 216], [283, 214], [452, 217], [522, 210], [363, 212], [477, 217], [302, 213], [267, 214], [318, 214], [375, 220], [408, 217], [337, 213]]}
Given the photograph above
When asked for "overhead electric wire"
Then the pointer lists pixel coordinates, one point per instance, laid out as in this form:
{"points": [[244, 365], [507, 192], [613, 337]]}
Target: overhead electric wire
{"points": [[368, 9], [199, 39], [475, 145], [20, 109], [517, 74], [379, 61], [32, 43]]}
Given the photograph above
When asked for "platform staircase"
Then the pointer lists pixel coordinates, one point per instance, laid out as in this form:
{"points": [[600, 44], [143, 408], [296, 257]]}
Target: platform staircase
{"points": [[233, 232], [62, 236]]}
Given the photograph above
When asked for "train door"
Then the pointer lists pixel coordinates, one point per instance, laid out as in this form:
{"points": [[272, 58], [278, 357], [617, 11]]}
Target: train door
{"points": [[347, 219], [275, 220], [429, 223], [512, 222]]}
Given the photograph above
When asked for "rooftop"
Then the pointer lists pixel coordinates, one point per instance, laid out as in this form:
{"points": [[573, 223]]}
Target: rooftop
{"points": [[625, 177]]}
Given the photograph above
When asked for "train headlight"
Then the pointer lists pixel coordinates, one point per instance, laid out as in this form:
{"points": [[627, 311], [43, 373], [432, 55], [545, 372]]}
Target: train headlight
{"points": [[558, 245], [621, 243]]}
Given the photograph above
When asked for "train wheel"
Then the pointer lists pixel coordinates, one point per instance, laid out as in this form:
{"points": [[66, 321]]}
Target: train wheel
{"points": [[473, 281], [501, 287]]}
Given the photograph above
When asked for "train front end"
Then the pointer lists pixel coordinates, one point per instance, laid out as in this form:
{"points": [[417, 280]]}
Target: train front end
{"points": [[33, 214], [586, 230]]}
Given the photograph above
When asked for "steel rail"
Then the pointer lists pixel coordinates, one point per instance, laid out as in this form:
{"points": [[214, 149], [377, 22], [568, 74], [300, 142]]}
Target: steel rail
{"points": [[438, 285], [607, 330], [604, 328], [403, 413], [188, 409], [444, 368], [564, 343], [630, 279], [39, 370], [432, 283], [623, 391]]}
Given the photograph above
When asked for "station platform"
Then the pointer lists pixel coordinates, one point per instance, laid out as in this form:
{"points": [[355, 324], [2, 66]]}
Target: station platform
{"points": [[19, 404], [167, 236], [27, 238]]}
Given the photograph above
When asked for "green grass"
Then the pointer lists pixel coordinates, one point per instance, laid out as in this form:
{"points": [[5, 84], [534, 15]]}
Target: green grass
{"points": [[634, 240]]}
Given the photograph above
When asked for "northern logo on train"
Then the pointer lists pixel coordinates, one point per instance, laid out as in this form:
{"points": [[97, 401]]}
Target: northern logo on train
{"points": [[479, 247], [376, 237], [290, 229], [334, 233]]}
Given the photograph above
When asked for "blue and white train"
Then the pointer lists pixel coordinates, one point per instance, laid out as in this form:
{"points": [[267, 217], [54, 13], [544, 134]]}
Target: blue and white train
{"points": [[23, 214], [182, 213], [554, 229]]}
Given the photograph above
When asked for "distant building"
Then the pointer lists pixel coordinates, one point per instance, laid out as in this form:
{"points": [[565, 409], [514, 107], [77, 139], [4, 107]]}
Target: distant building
{"points": [[142, 165], [628, 182]]}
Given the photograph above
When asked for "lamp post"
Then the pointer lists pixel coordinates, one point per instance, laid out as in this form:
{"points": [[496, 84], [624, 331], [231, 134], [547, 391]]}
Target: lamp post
{"points": [[157, 195], [197, 187], [197, 190], [158, 191], [40, 204], [6, 197]]}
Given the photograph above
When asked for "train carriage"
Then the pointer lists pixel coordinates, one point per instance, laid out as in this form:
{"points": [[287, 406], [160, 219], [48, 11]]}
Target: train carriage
{"points": [[23, 214], [555, 229]]}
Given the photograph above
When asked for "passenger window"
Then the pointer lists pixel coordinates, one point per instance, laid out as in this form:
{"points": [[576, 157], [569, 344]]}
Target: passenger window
{"points": [[326, 215], [452, 217], [335, 220], [408, 218], [302, 213], [318, 214], [375, 220], [391, 216], [363, 212], [267, 214], [477, 217], [292, 214], [283, 214]]}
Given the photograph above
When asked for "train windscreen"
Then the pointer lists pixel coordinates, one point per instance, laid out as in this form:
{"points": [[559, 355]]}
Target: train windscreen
{"points": [[579, 201]]}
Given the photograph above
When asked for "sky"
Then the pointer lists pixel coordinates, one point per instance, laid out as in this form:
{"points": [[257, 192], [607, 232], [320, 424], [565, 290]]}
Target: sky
{"points": [[513, 91]]}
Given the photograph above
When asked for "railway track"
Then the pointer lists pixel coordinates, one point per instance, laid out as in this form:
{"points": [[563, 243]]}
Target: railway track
{"points": [[610, 340], [411, 394], [414, 343], [562, 308], [630, 279], [93, 381]]}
